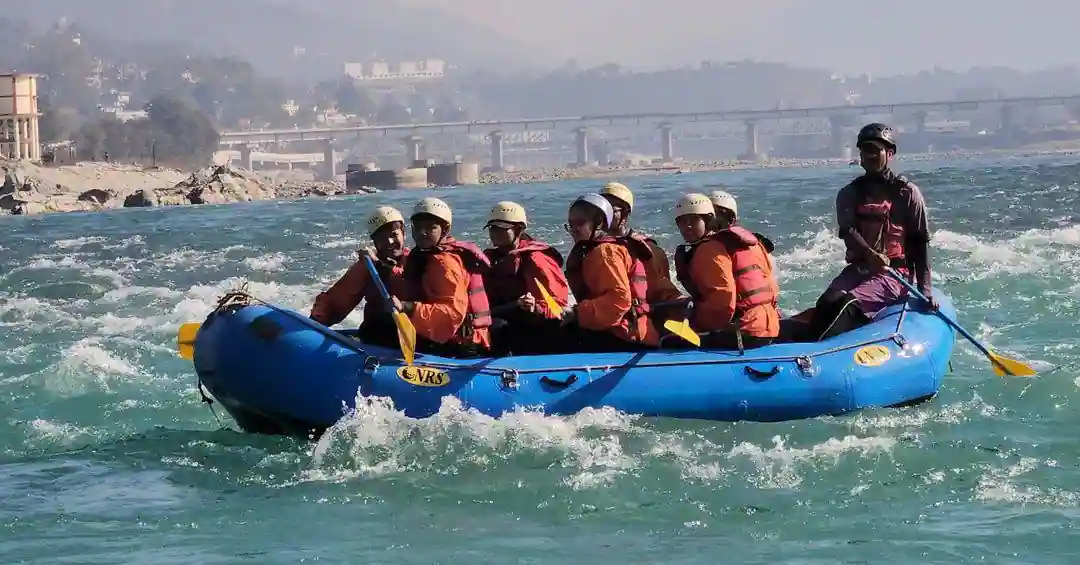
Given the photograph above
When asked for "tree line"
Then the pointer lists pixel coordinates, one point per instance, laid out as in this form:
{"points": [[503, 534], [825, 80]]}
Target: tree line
{"points": [[81, 73]]}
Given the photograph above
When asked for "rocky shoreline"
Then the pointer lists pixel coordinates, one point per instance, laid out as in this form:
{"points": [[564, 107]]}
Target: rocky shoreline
{"points": [[29, 188]]}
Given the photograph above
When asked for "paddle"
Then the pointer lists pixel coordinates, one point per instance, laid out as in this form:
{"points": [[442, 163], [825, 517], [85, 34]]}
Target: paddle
{"points": [[405, 330], [185, 339], [1002, 365], [556, 310], [683, 330]]}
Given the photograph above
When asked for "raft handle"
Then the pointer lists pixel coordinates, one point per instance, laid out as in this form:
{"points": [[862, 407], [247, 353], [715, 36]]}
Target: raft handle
{"points": [[509, 380], [759, 374], [806, 365], [371, 364], [557, 383]]}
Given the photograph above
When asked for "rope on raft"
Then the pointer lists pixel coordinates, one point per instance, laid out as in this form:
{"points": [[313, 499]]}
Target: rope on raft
{"points": [[240, 297]]}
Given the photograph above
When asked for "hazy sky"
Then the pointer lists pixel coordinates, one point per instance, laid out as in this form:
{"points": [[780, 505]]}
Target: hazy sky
{"points": [[844, 35]]}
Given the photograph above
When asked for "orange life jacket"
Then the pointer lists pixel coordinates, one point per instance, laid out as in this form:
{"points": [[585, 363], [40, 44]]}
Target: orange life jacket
{"points": [[874, 221], [476, 264], [503, 282], [639, 283], [392, 273], [753, 287]]}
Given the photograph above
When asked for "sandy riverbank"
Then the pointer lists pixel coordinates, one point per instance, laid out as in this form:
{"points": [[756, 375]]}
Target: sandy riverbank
{"points": [[604, 172], [30, 188], [91, 186]]}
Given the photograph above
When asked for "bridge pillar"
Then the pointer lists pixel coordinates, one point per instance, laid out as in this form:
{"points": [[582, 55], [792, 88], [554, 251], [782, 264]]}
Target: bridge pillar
{"points": [[1008, 129], [752, 151], [246, 160], [412, 150], [602, 153], [922, 138], [667, 147], [837, 145], [498, 162], [329, 161], [582, 137]]}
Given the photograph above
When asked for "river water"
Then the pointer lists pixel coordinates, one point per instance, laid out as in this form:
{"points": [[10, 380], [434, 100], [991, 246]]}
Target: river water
{"points": [[108, 456]]}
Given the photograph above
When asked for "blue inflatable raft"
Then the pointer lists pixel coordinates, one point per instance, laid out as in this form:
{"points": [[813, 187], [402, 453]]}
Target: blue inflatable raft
{"points": [[278, 372]]}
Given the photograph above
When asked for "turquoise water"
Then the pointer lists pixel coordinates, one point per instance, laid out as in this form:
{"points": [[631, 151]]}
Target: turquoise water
{"points": [[108, 456]]}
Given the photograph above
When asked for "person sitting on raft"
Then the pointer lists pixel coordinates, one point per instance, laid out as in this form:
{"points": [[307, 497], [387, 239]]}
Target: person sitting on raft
{"points": [[661, 290], [883, 221], [386, 226], [518, 263], [447, 301], [608, 281], [729, 274]]}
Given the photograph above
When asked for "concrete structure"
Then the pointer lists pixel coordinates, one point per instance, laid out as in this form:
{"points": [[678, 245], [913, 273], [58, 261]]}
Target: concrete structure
{"points": [[752, 150], [498, 160], [841, 118], [20, 136], [453, 174], [413, 151], [582, 145], [667, 147]]}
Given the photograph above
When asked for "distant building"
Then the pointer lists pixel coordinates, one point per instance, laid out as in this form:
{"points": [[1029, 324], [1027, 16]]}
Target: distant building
{"points": [[124, 115], [20, 136], [426, 69]]}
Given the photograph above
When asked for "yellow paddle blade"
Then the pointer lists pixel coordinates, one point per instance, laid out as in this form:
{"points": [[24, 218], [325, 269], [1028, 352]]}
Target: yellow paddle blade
{"points": [[683, 330], [185, 339], [406, 333], [1003, 366], [556, 310]]}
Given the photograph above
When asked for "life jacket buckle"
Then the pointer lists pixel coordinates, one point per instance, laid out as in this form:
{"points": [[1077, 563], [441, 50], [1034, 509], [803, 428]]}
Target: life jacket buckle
{"points": [[467, 329]]}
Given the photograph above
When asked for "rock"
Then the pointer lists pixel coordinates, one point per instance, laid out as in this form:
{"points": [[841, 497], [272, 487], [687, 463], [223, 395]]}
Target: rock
{"points": [[140, 199], [14, 179], [222, 184], [96, 195]]}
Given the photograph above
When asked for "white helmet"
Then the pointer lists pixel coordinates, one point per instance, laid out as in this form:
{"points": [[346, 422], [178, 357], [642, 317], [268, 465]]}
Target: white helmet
{"points": [[721, 199], [694, 203], [508, 212], [600, 203], [433, 207], [381, 216], [620, 192]]}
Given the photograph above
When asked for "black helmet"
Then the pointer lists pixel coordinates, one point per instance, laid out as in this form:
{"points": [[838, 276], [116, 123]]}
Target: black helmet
{"points": [[877, 132]]}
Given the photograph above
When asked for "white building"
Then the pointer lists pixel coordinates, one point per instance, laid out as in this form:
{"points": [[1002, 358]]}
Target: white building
{"points": [[426, 69]]}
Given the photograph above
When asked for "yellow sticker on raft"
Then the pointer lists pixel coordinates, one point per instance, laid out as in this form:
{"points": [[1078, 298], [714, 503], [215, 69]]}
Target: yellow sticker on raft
{"points": [[423, 376], [872, 355]]}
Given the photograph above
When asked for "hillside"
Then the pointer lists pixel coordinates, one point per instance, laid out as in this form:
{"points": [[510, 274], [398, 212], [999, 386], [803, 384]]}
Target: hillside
{"points": [[266, 32]]}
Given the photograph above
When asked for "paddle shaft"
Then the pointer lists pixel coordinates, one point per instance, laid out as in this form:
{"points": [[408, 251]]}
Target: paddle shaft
{"points": [[915, 292], [378, 280]]}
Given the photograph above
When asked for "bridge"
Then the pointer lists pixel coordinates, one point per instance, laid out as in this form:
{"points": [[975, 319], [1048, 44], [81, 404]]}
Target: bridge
{"points": [[838, 116]]}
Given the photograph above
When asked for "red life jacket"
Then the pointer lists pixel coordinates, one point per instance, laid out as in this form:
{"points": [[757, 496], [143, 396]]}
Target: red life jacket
{"points": [[639, 283], [503, 282], [392, 273], [475, 263], [874, 220], [749, 261]]}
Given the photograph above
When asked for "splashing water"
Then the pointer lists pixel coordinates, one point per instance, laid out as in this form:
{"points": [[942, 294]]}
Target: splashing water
{"points": [[108, 455]]}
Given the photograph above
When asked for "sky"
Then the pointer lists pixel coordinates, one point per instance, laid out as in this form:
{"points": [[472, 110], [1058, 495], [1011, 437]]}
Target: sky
{"points": [[848, 36]]}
